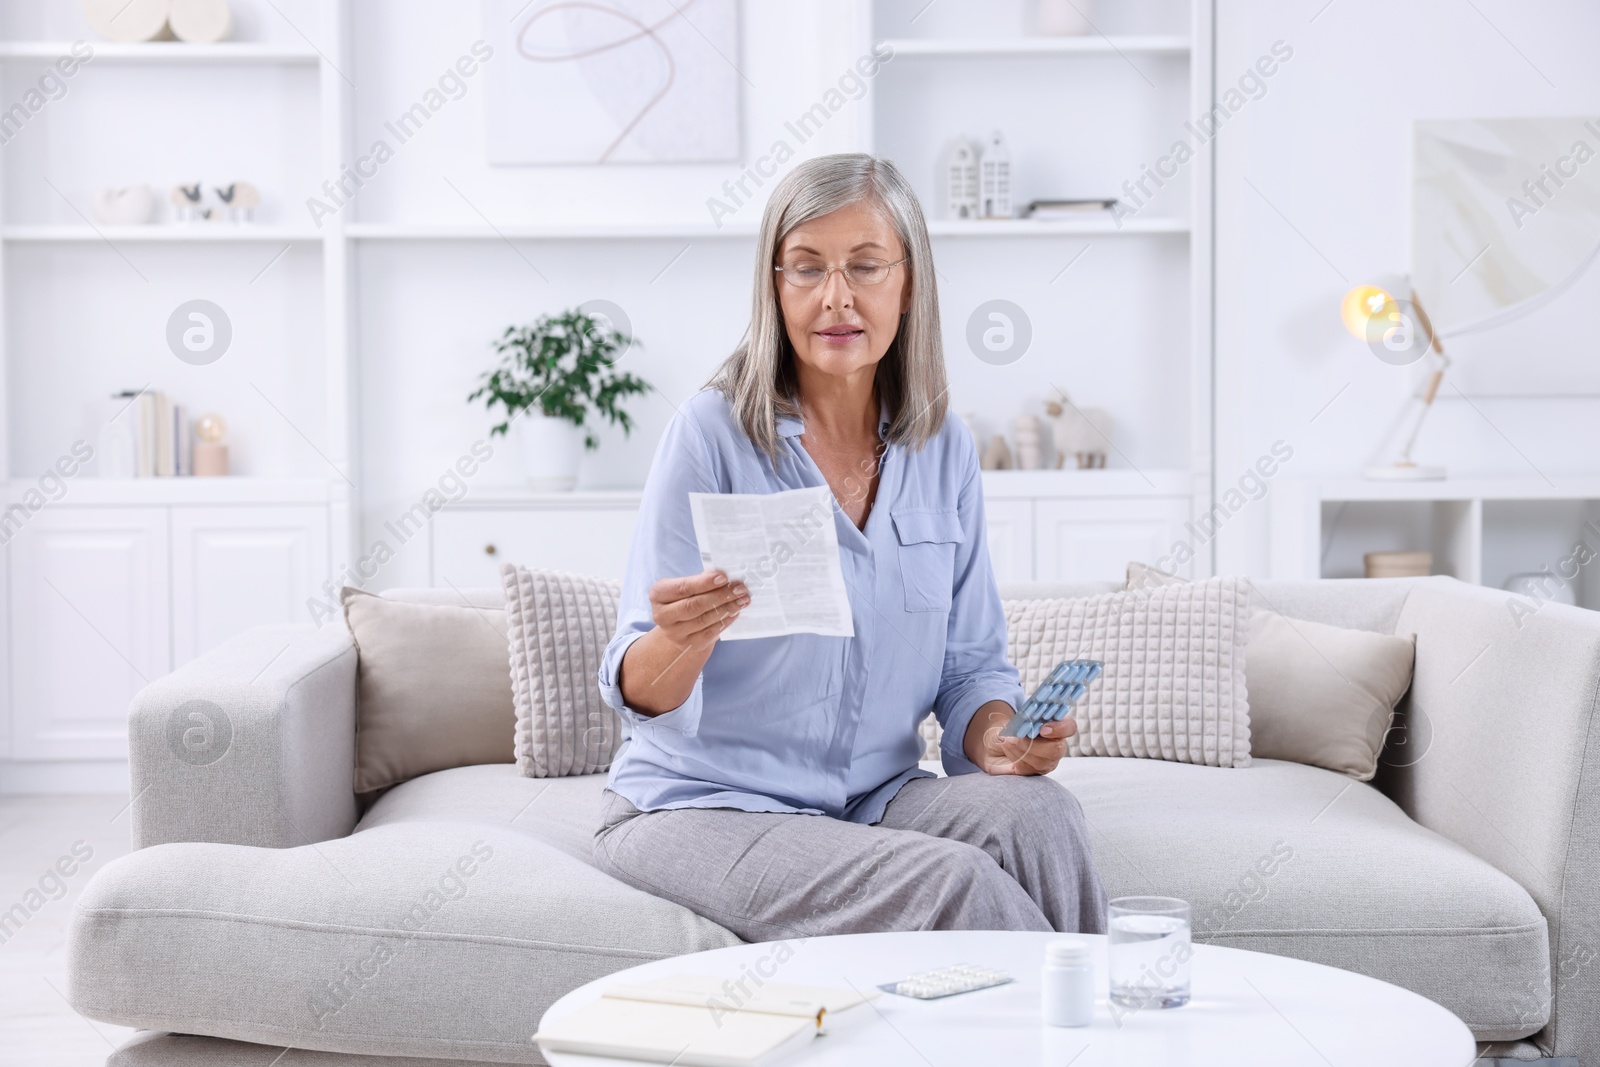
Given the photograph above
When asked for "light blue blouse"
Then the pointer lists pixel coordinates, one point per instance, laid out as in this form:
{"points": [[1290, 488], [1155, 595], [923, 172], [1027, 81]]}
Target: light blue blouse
{"points": [[806, 723]]}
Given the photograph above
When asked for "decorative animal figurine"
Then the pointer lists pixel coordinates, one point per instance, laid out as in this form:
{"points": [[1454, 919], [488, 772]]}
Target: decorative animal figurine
{"points": [[186, 203], [1081, 434]]}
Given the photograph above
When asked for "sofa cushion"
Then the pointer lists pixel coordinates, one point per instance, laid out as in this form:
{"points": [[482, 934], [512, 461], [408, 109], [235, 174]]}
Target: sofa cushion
{"points": [[1319, 694], [559, 626], [1174, 683], [1296, 860], [460, 909], [433, 688], [1323, 695]]}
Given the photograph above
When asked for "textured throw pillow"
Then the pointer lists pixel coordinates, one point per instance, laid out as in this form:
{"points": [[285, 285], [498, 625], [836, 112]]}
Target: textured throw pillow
{"points": [[1319, 694], [1174, 684], [432, 687], [560, 625]]}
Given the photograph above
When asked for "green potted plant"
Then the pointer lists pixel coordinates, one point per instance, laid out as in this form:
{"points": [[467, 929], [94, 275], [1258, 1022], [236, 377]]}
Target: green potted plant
{"points": [[554, 377]]}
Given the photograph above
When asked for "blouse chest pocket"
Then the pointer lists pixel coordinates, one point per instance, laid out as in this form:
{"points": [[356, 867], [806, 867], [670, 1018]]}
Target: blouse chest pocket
{"points": [[928, 539]]}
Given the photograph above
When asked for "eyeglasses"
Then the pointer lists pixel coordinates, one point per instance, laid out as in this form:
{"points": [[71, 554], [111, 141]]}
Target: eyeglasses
{"points": [[803, 274]]}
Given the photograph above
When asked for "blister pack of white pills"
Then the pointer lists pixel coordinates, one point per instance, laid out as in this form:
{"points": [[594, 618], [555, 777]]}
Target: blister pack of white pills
{"points": [[946, 982]]}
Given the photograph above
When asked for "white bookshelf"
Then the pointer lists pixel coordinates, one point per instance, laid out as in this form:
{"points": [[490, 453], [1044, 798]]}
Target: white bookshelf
{"points": [[308, 76], [132, 577], [1480, 530], [1080, 115]]}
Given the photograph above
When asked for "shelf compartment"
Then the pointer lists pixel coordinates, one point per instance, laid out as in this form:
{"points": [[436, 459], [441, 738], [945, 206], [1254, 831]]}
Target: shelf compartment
{"points": [[1549, 536], [1450, 529]]}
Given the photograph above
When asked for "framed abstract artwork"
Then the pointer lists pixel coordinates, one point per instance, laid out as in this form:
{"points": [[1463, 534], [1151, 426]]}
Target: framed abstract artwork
{"points": [[612, 81]]}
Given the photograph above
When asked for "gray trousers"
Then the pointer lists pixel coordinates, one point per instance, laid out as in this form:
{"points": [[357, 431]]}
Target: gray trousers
{"points": [[969, 852]]}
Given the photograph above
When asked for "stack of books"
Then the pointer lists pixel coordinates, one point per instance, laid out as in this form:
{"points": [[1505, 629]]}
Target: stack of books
{"points": [[162, 435]]}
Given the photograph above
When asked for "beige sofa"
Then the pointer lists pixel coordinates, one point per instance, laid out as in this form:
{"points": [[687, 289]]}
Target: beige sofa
{"points": [[261, 909]]}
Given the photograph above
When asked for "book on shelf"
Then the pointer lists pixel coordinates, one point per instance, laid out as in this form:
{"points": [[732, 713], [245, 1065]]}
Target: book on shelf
{"points": [[701, 1021], [183, 439], [162, 435], [163, 432]]}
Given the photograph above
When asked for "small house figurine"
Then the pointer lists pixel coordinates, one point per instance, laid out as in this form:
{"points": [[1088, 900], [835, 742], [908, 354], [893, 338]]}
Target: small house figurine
{"points": [[994, 179], [1081, 434], [960, 180]]}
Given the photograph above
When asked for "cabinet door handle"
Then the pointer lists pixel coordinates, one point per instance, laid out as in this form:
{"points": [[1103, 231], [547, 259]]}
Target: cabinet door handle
{"points": [[488, 550]]}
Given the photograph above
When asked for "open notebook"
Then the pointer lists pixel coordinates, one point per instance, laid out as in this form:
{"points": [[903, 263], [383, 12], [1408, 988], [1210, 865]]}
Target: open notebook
{"points": [[701, 1021]]}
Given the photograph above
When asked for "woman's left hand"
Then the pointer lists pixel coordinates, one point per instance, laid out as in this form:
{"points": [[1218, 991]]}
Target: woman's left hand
{"points": [[1014, 755]]}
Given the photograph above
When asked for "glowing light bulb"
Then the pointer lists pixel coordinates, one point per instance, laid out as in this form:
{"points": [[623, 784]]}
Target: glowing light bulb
{"points": [[1362, 306], [210, 428]]}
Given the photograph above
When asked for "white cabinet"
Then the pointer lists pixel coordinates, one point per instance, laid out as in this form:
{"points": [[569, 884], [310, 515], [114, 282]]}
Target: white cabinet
{"points": [[584, 533], [1058, 526], [234, 568], [1092, 540], [89, 627], [1009, 525], [110, 594]]}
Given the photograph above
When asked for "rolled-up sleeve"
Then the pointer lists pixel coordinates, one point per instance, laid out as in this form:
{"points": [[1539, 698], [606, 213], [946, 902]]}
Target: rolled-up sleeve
{"points": [[663, 546], [975, 670]]}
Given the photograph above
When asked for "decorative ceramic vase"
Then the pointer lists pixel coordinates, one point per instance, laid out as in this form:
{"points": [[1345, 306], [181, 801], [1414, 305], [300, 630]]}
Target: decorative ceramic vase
{"points": [[200, 21], [128, 21], [997, 456], [1030, 443], [551, 449]]}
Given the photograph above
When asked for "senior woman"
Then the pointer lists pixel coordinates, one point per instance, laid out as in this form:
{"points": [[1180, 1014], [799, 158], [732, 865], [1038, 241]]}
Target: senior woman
{"points": [[772, 785]]}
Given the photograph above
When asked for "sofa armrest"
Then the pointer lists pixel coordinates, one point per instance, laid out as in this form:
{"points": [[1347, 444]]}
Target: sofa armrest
{"points": [[1501, 756], [252, 743]]}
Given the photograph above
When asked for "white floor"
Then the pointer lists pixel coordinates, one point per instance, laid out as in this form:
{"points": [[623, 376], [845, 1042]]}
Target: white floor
{"points": [[37, 1025]]}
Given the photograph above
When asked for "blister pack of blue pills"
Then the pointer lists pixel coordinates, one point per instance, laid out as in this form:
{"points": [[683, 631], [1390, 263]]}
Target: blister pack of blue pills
{"points": [[1054, 698]]}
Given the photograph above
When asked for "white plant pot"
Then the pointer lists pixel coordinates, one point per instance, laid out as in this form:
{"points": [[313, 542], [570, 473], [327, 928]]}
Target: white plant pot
{"points": [[551, 449]]}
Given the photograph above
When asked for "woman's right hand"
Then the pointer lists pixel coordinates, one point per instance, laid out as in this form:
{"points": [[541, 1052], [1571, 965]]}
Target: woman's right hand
{"points": [[692, 612]]}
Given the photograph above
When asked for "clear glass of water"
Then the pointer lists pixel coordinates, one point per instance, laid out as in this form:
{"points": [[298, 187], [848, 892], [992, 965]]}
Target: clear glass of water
{"points": [[1149, 951]]}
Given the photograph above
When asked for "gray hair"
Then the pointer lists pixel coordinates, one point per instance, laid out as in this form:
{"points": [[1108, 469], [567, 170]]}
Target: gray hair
{"points": [[759, 377]]}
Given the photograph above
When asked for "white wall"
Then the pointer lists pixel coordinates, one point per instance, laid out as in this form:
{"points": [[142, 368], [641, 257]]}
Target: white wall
{"points": [[1329, 146]]}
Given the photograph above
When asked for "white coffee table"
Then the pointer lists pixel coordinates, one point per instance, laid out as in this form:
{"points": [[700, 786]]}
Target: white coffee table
{"points": [[1248, 1008]]}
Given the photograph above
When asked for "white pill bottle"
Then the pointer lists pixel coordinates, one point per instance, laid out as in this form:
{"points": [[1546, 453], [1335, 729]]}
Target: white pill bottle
{"points": [[1068, 983]]}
